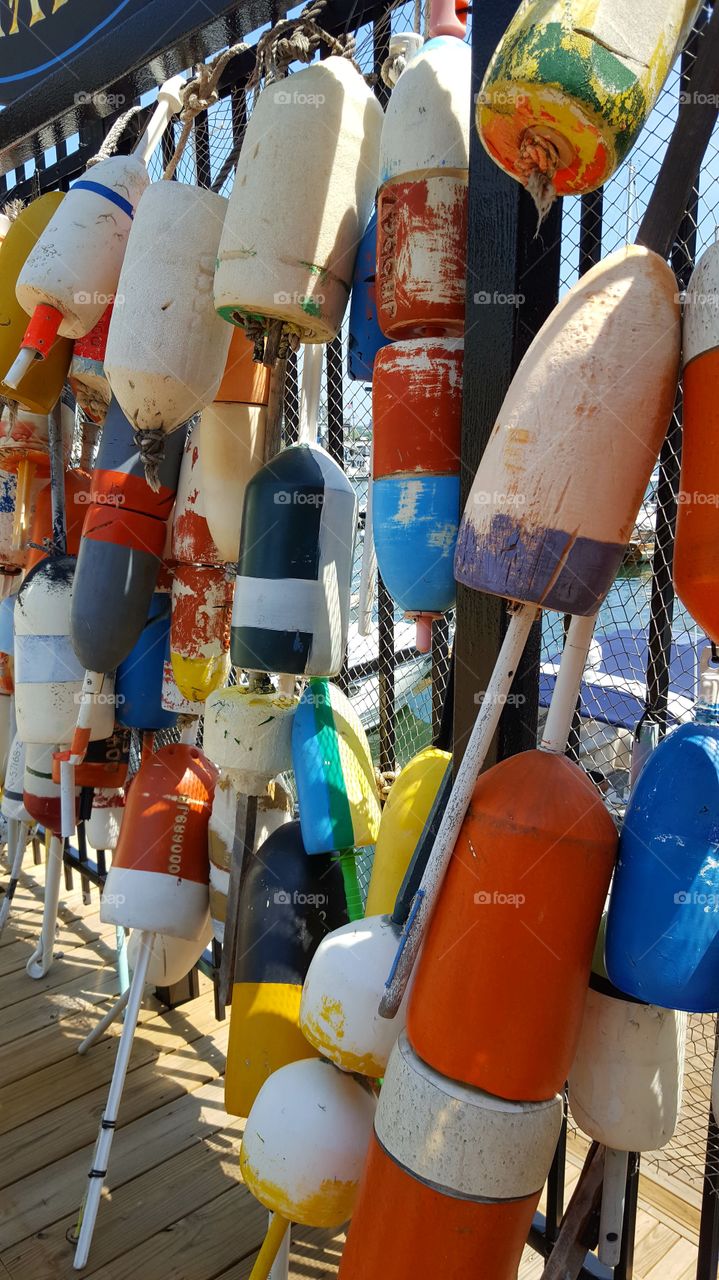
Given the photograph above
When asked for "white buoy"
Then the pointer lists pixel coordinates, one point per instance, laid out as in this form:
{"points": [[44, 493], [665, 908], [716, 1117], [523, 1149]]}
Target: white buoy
{"points": [[303, 193]]}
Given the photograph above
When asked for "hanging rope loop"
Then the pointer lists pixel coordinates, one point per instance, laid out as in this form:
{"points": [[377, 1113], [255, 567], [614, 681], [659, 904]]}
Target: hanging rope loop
{"points": [[109, 146]]}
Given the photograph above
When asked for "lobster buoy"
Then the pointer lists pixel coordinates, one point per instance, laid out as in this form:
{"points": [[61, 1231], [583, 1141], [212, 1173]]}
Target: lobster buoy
{"points": [[48, 676], [102, 828], [338, 1012], [167, 348], [625, 1085], [319, 135], [40, 388], [24, 449], [518, 911], [139, 678], [233, 443], [663, 926], [417, 414], [41, 794], [570, 87], [408, 807], [465, 1169], [7, 688], [122, 544], [560, 482], [202, 587], [87, 375], [247, 733], [292, 595], [170, 958], [422, 201], [72, 272], [694, 566], [305, 1141], [77, 484], [106, 760], [287, 904], [365, 335], [159, 876], [336, 786], [13, 803], [13, 551]]}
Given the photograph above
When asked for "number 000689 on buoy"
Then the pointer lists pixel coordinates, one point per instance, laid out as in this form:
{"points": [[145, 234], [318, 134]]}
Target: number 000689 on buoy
{"points": [[559, 485]]}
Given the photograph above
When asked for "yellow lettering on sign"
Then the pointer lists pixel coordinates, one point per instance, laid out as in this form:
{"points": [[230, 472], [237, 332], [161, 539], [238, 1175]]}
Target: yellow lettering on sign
{"points": [[58, 5], [36, 15]]}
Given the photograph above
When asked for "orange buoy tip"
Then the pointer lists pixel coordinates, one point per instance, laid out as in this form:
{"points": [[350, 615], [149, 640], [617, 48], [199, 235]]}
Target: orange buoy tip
{"points": [[423, 639], [42, 329]]}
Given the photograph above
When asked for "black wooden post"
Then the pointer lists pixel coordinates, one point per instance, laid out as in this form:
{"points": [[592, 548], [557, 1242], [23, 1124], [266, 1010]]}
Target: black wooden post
{"points": [[512, 285]]}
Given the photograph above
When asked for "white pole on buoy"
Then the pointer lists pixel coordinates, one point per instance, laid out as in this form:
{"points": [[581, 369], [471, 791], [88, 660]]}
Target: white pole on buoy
{"points": [[368, 573], [106, 1021], [614, 1190], [101, 1155], [41, 959], [312, 353]]}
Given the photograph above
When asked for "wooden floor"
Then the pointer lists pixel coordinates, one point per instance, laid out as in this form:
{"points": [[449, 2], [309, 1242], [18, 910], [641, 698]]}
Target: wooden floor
{"points": [[174, 1207]]}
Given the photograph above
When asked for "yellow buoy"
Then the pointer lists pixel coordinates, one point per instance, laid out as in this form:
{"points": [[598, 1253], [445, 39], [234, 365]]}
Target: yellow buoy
{"points": [[403, 819]]}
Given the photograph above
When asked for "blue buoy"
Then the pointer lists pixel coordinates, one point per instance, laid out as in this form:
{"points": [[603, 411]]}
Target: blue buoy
{"points": [[138, 684]]}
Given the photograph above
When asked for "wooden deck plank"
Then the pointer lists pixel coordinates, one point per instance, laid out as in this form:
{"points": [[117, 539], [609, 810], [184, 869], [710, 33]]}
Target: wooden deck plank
{"points": [[314, 1253], [60, 1040], [674, 1263], [35, 1202], [73, 997], [50, 1136], [77, 962]]}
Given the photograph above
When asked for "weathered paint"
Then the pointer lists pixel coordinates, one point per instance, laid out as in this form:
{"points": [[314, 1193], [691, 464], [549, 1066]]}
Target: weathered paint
{"points": [[339, 1013], [202, 586], [518, 911], [167, 349], [41, 795], [232, 453], [695, 569], [160, 870], [407, 808], [75, 265], [334, 774], [415, 523], [291, 608], [40, 388], [122, 543], [422, 202], [245, 380], [48, 676], [139, 678], [305, 1141], [250, 733], [288, 901], [77, 485], [87, 370], [572, 83], [560, 483], [277, 260]]}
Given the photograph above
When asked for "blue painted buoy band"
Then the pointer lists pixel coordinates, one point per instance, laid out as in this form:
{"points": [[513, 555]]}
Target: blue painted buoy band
{"points": [[107, 192]]}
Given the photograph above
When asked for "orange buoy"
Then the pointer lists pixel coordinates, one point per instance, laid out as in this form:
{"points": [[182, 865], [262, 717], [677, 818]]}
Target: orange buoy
{"points": [[160, 873], [518, 913], [87, 374], [77, 499]]}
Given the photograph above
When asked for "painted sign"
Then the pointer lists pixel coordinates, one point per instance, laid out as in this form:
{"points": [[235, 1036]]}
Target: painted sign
{"points": [[38, 37]]}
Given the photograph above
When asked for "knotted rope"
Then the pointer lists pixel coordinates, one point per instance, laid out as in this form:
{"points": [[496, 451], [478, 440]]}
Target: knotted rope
{"points": [[296, 40], [109, 145], [198, 94]]}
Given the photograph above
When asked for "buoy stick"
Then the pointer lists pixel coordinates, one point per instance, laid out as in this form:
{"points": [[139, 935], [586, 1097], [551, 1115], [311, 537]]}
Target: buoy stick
{"points": [[23, 362], [106, 1020], [480, 738], [92, 687], [614, 1189], [169, 102], [281, 1265], [368, 573], [17, 834], [569, 678], [25, 475], [310, 391], [353, 893], [101, 1156], [41, 958], [57, 480], [271, 1245]]}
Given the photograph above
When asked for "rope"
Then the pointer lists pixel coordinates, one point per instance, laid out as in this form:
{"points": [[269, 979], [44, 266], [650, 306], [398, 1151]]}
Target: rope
{"points": [[296, 40], [538, 162], [13, 209], [152, 450], [109, 145], [199, 94]]}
